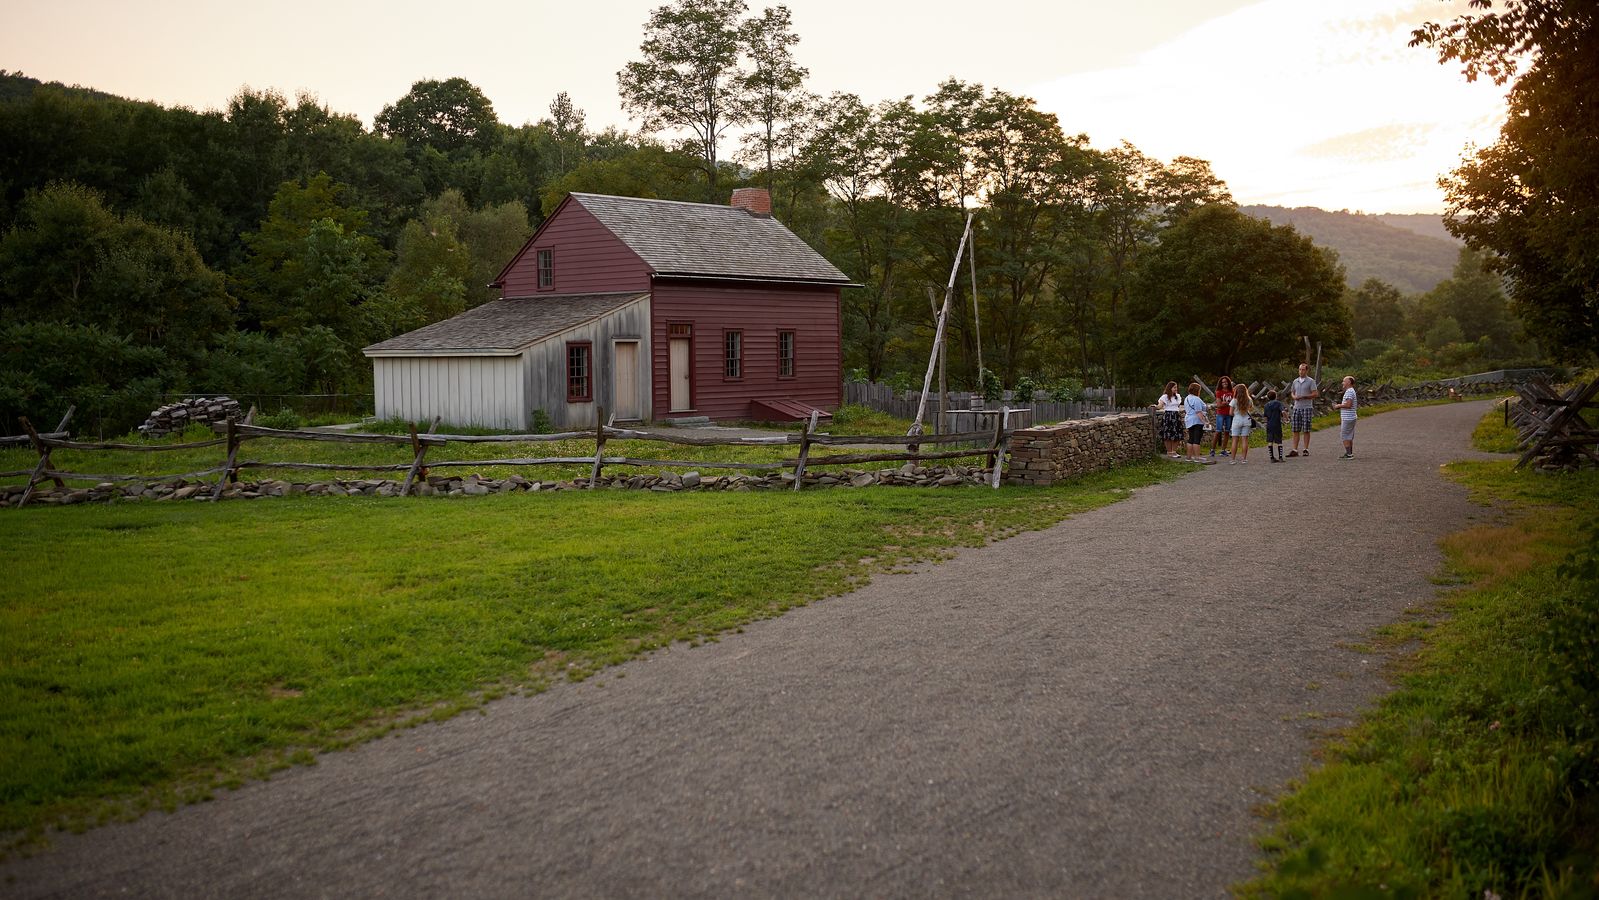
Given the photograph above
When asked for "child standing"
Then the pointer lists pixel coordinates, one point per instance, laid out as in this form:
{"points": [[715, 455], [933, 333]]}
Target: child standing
{"points": [[1243, 405], [1224, 415], [1194, 421], [1274, 427]]}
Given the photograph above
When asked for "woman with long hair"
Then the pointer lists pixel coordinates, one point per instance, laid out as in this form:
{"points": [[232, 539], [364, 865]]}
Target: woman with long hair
{"points": [[1243, 405], [1170, 406]]}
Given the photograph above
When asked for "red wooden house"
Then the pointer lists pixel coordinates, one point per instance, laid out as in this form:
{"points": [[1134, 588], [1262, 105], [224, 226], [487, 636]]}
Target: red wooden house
{"points": [[652, 309]]}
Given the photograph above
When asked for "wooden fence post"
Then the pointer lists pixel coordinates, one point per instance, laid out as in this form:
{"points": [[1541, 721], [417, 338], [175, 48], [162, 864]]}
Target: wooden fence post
{"points": [[805, 449], [44, 455], [418, 451], [1001, 445], [229, 473], [599, 445]]}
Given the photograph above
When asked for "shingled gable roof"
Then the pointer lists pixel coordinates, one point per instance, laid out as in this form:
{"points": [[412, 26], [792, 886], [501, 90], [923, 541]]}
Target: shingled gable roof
{"points": [[705, 240], [504, 327]]}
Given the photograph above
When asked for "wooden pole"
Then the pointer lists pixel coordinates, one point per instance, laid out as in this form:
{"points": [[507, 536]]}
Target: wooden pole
{"points": [[805, 449], [599, 446], [419, 450], [229, 473], [44, 455], [999, 459], [938, 336]]}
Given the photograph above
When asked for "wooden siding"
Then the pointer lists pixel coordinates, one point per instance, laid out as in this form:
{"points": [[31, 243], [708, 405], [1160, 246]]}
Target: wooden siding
{"points": [[546, 366], [485, 391], [760, 312], [588, 258]]}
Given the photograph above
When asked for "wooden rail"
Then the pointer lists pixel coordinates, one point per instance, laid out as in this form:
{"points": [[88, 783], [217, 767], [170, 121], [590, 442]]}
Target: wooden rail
{"points": [[234, 435]]}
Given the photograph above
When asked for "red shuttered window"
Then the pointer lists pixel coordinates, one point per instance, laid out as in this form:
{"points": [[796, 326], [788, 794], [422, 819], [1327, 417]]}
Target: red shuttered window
{"points": [[579, 372]]}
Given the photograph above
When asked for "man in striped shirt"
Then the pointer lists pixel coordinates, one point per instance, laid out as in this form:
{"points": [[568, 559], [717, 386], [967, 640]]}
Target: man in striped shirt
{"points": [[1346, 417]]}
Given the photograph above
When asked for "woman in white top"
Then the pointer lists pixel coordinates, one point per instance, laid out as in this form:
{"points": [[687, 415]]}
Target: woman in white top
{"points": [[1170, 405], [1243, 405]]}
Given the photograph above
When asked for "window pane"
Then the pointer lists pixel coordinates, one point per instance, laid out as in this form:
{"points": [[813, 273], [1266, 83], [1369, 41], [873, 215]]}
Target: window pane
{"points": [[735, 355], [577, 372], [546, 268], [785, 354]]}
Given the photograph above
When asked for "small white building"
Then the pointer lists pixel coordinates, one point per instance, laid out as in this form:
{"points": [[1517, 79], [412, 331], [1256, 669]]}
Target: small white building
{"points": [[494, 365]]}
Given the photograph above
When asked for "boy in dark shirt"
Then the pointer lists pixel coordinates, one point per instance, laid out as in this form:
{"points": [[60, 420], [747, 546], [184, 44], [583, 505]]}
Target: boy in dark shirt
{"points": [[1274, 427]]}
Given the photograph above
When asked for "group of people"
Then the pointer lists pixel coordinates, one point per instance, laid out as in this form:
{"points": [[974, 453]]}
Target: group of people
{"points": [[1183, 419]]}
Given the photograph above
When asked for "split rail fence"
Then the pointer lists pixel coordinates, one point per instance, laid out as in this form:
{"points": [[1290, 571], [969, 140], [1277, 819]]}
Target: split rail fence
{"points": [[992, 444]]}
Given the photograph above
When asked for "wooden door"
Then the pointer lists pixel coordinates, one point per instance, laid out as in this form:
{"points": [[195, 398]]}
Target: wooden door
{"points": [[627, 386], [678, 375]]}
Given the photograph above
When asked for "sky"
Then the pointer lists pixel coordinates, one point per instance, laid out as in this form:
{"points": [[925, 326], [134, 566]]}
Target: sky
{"points": [[1294, 102]]}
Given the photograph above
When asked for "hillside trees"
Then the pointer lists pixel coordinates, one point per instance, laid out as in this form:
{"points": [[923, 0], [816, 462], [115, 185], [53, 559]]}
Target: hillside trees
{"points": [[1531, 199], [1221, 290]]}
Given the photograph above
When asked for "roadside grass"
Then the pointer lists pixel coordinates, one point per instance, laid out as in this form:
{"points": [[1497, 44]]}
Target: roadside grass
{"points": [[1479, 775], [155, 652]]}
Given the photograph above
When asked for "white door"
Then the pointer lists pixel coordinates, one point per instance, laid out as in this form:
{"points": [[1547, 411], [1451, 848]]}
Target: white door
{"points": [[678, 375], [627, 387]]}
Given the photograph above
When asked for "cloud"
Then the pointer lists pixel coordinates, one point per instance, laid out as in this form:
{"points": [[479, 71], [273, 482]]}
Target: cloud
{"points": [[1380, 144]]}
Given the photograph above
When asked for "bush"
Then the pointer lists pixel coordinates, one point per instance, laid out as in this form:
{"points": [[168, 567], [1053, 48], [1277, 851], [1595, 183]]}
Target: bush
{"points": [[988, 384], [1066, 390], [1026, 387], [284, 419], [542, 423]]}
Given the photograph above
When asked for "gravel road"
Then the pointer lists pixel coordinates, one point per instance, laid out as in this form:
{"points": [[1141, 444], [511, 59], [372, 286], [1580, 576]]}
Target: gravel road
{"points": [[1091, 710]]}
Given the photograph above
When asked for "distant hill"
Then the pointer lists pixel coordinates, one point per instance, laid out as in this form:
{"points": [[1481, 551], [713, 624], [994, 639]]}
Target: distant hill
{"points": [[1410, 252], [17, 86]]}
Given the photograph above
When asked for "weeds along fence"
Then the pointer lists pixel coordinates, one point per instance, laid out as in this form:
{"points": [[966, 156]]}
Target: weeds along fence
{"points": [[233, 435], [961, 404]]}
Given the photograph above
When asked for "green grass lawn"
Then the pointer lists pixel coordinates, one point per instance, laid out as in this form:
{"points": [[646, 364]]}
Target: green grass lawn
{"points": [[1479, 775], [154, 651]]}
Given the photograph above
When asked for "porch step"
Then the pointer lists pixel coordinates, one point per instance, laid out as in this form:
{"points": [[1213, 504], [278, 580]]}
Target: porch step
{"points": [[689, 421]]}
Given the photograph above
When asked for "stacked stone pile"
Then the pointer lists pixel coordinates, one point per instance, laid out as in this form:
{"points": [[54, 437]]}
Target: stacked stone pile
{"points": [[908, 475], [175, 417], [1045, 454]]}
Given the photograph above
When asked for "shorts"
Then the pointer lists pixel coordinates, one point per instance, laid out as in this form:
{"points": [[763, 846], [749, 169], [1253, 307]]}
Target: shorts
{"points": [[1171, 425], [1301, 419], [1241, 426], [1274, 433], [1196, 434], [1224, 423], [1346, 429]]}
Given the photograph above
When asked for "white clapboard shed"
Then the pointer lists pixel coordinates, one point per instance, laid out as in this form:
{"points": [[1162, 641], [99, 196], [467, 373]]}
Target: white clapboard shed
{"points": [[494, 365]]}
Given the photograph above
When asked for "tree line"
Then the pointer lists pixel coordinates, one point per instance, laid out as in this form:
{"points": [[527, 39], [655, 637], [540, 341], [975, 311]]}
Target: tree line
{"points": [[256, 248]]}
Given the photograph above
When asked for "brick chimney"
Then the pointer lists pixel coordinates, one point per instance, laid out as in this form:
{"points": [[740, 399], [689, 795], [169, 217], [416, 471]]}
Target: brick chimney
{"points": [[755, 201]]}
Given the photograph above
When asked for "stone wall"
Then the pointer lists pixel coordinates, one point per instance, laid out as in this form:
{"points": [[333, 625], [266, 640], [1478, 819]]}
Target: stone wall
{"points": [[1045, 454]]}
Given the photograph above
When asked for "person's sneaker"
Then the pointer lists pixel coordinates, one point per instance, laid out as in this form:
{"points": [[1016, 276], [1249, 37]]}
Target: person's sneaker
{"points": [[1212, 454], [1294, 453], [1347, 456], [1223, 453], [1306, 453], [1232, 462]]}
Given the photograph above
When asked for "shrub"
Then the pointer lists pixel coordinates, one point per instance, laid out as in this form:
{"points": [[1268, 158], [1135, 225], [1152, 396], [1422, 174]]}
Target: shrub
{"points": [[284, 419], [1026, 387], [1065, 390], [542, 423]]}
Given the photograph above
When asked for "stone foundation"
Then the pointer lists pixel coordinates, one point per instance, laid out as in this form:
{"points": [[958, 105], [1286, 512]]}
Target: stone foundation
{"points": [[1045, 454]]}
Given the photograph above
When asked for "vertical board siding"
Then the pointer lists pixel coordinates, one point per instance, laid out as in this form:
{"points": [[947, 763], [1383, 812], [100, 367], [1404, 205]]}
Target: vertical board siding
{"points": [[481, 391], [811, 312], [589, 259], [545, 367]]}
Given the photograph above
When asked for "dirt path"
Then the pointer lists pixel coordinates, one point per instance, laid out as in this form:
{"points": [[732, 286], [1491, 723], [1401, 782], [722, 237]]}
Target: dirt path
{"points": [[1091, 710]]}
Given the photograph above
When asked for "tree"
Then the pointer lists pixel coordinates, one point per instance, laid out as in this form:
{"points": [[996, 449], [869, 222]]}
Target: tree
{"points": [[1531, 199], [447, 115], [1222, 290], [311, 263], [1377, 310], [690, 76], [72, 260], [1475, 299], [772, 87], [565, 125]]}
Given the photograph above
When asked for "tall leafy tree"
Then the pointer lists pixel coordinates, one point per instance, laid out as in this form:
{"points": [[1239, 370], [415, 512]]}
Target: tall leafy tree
{"points": [[1222, 289], [691, 76], [1531, 199], [1377, 311], [567, 133], [447, 115], [772, 86]]}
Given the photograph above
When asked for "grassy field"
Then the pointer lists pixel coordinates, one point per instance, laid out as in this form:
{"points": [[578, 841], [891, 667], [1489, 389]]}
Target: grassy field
{"points": [[151, 652], [1479, 776]]}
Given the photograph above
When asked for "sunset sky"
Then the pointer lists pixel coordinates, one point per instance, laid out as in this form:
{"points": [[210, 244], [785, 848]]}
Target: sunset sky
{"points": [[1294, 102]]}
